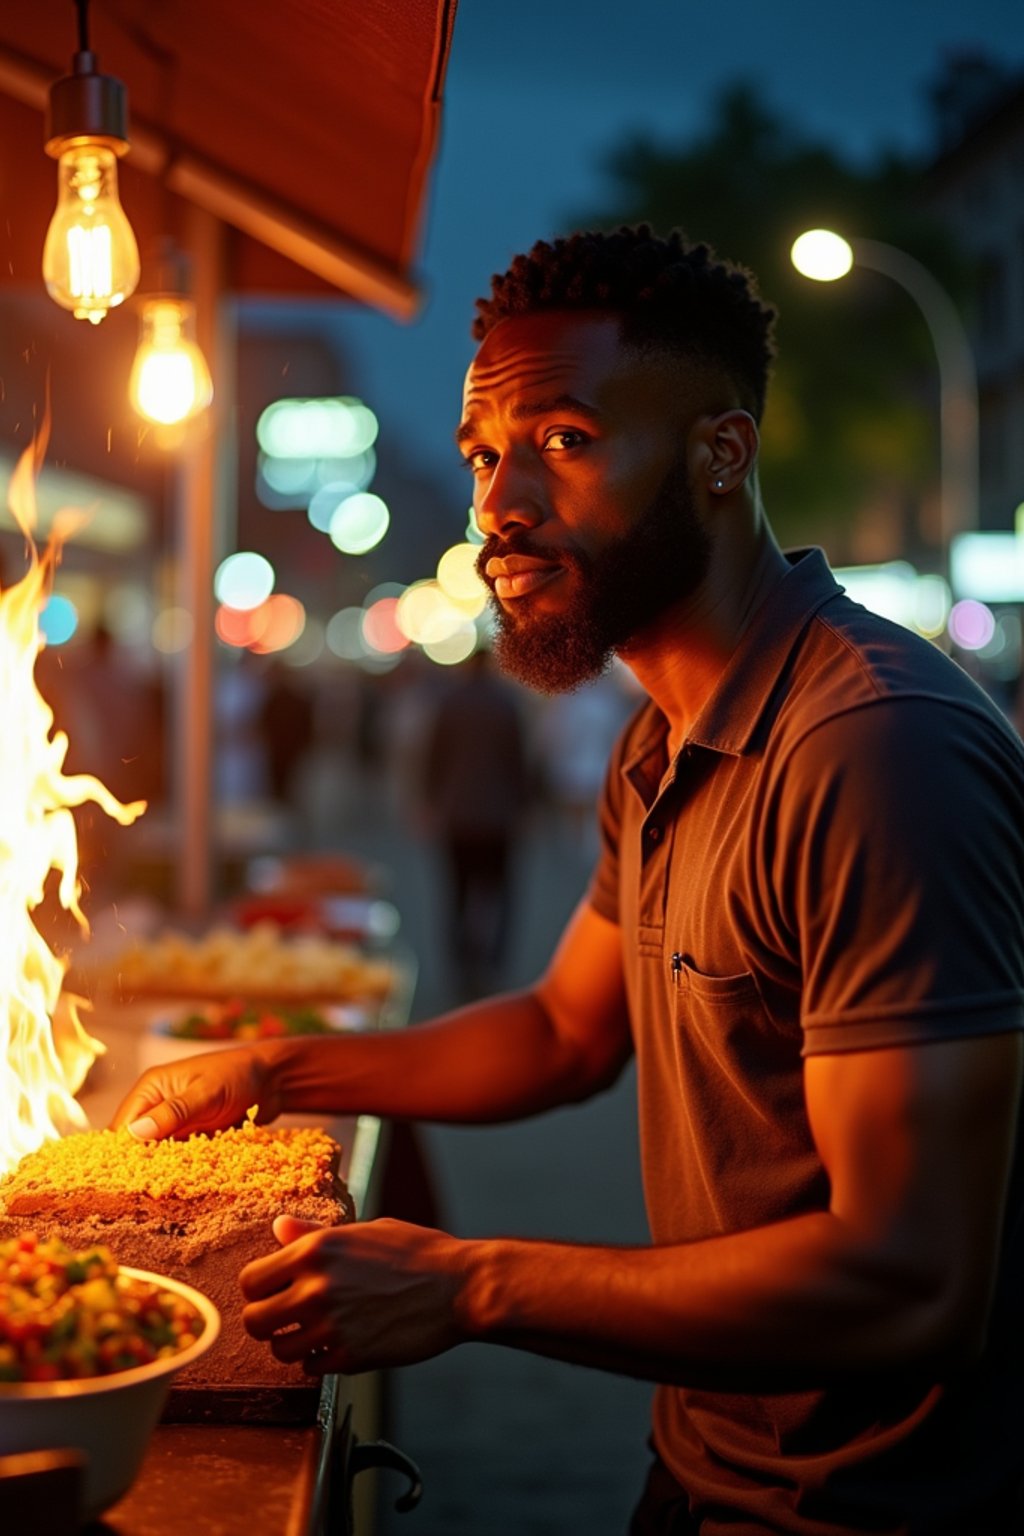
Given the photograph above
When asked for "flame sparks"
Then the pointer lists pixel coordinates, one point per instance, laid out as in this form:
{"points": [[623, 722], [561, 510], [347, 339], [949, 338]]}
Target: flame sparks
{"points": [[45, 1052]]}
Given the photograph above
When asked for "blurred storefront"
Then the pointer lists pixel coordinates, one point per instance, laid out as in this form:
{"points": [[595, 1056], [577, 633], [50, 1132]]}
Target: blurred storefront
{"points": [[287, 159]]}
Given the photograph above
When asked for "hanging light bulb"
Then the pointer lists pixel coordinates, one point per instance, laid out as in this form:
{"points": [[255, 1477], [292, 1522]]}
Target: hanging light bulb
{"points": [[90, 258], [170, 382]]}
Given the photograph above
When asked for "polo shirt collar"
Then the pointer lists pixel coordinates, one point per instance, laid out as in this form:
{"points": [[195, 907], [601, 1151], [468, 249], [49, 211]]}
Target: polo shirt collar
{"points": [[730, 716]]}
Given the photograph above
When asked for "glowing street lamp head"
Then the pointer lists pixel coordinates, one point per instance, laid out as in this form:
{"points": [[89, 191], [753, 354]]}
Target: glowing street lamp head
{"points": [[821, 254]]}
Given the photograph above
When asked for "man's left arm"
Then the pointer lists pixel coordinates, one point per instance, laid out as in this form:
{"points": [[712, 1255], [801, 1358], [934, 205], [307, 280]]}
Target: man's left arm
{"points": [[897, 1273]]}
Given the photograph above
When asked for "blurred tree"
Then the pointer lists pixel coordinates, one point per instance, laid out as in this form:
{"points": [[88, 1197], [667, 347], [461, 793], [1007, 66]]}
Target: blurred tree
{"points": [[850, 437]]}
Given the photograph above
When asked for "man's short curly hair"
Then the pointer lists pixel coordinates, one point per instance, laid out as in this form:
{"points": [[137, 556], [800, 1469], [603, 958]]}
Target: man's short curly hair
{"points": [[670, 294]]}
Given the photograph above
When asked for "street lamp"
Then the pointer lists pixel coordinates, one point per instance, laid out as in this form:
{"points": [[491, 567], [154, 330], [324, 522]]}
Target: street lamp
{"points": [[826, 257]]}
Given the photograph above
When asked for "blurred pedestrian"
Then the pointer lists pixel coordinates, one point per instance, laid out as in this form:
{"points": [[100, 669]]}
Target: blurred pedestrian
{"points": [[286, 726], [113, 713], [241, 774], [575, 737], [475, 794]]}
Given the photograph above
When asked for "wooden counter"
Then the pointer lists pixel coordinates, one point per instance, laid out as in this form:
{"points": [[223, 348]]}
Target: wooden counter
{"points": [[232, 1479]]}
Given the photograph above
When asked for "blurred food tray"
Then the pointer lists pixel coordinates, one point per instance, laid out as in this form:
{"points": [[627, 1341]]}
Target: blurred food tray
{"points": [[262, 963]]}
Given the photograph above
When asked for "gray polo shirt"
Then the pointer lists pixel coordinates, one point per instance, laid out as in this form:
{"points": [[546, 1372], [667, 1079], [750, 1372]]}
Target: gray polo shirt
{"points": [[834, 861]]}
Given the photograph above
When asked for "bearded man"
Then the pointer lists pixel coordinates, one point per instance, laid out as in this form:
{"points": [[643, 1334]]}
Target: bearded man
{"points": [[807, 923]]}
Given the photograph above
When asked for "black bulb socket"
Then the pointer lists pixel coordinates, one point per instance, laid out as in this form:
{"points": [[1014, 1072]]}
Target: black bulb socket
{"points": [[86, 107]]}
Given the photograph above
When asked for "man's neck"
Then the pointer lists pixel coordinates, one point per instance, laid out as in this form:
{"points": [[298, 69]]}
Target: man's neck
{"points": [[679, 659]]}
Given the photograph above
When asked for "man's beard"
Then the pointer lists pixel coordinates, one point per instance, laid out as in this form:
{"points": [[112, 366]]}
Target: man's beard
{"points": [[619, 592]]}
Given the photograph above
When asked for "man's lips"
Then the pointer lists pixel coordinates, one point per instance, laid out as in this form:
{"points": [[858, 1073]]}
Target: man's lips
{"points": [[518, 575]]}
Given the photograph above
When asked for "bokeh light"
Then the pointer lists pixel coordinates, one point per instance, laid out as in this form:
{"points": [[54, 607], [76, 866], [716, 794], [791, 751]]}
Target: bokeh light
{"points": [[316, 429], [325, 503], [425, 615], [336, 480], [380, 627], [359, 523], [473, 533], [357, 470], [285, 485], [172, 630], [233, 625], [822, 255], [277, 624], [987, 566], [456, 647], [457, 576], [244, 580], [887, 589], [309, 646], [344, 634], [971, 624], [932, 600], [1002, 654], [58, 620], [85, 594]]}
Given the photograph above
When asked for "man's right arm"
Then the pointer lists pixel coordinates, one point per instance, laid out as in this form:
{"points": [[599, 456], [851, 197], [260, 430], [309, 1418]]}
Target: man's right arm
{"points": [[557, 1042]]}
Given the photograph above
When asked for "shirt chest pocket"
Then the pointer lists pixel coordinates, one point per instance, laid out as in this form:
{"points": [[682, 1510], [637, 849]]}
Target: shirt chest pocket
{"points": [[739, 1095], [710, 991], [723, 1028]]}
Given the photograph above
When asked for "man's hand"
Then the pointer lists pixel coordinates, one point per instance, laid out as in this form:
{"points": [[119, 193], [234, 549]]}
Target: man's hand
{"points": [[207, 1092], [355, 1298]]}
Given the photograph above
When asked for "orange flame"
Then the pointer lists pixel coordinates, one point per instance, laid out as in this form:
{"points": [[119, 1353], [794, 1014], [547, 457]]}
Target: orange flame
{"points": [[39, 1073]]}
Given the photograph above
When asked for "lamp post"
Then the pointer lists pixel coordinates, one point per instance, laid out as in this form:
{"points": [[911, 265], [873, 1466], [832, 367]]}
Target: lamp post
{"points": [[825, 256]]}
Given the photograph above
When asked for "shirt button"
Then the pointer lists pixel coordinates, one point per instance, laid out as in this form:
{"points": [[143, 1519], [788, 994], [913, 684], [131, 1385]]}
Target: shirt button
{"points": [[653, 834]]}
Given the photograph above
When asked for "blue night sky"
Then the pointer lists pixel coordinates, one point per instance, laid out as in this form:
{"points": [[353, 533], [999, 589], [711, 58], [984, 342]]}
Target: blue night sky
{"points": [[537, 91]]}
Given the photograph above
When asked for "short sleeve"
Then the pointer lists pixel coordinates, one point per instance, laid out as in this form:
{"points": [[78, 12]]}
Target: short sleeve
{"points": [[897, 838]]}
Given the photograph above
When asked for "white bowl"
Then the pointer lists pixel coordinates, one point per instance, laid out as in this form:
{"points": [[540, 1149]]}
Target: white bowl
{"points": [[108, 1418], [158, 1044]]}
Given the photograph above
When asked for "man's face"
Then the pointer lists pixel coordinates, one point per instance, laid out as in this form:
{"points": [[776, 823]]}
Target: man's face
{"points": [[577, 445]]}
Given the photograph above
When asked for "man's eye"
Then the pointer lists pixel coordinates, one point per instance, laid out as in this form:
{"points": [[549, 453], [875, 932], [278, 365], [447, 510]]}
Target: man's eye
{"points": [[562, 441], [480, 459]]}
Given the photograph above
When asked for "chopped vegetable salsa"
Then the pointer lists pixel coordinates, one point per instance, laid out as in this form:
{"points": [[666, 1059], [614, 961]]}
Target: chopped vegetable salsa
{"points": [[239, 1020], [68, 1315]]}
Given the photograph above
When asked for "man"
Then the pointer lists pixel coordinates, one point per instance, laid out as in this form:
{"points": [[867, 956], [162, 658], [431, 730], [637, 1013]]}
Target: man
{"points": [[806, 922]]}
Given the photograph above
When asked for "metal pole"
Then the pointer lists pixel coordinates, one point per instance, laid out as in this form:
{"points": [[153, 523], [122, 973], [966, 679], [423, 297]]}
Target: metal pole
{"points": [[958, 381], [196, 522]]}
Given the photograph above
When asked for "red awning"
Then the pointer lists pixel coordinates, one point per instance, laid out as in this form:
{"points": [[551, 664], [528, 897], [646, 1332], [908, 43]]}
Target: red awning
{"points": [[308, 126]]}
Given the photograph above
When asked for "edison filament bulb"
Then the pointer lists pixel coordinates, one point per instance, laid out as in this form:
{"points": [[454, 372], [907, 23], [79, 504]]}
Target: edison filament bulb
{"points": [[90, 259]]}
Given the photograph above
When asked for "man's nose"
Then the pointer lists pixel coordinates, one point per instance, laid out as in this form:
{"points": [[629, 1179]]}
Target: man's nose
{"points": [[509, 499]]}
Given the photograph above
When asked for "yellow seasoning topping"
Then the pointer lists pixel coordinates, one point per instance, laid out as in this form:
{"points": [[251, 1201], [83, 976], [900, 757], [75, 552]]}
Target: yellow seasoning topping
{"points": [[252, 1160]]}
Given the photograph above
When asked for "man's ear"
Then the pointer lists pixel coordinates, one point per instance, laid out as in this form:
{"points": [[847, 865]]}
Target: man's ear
{"points": [[726, 449]]}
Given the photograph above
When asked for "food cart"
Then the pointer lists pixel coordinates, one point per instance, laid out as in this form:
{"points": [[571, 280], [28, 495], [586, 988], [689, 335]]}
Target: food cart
{"points": [[308, 1441]]}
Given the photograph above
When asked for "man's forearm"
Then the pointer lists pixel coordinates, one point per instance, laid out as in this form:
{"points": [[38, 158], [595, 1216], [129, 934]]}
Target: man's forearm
{"points": [[779, 1306], [488, 1062]]}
